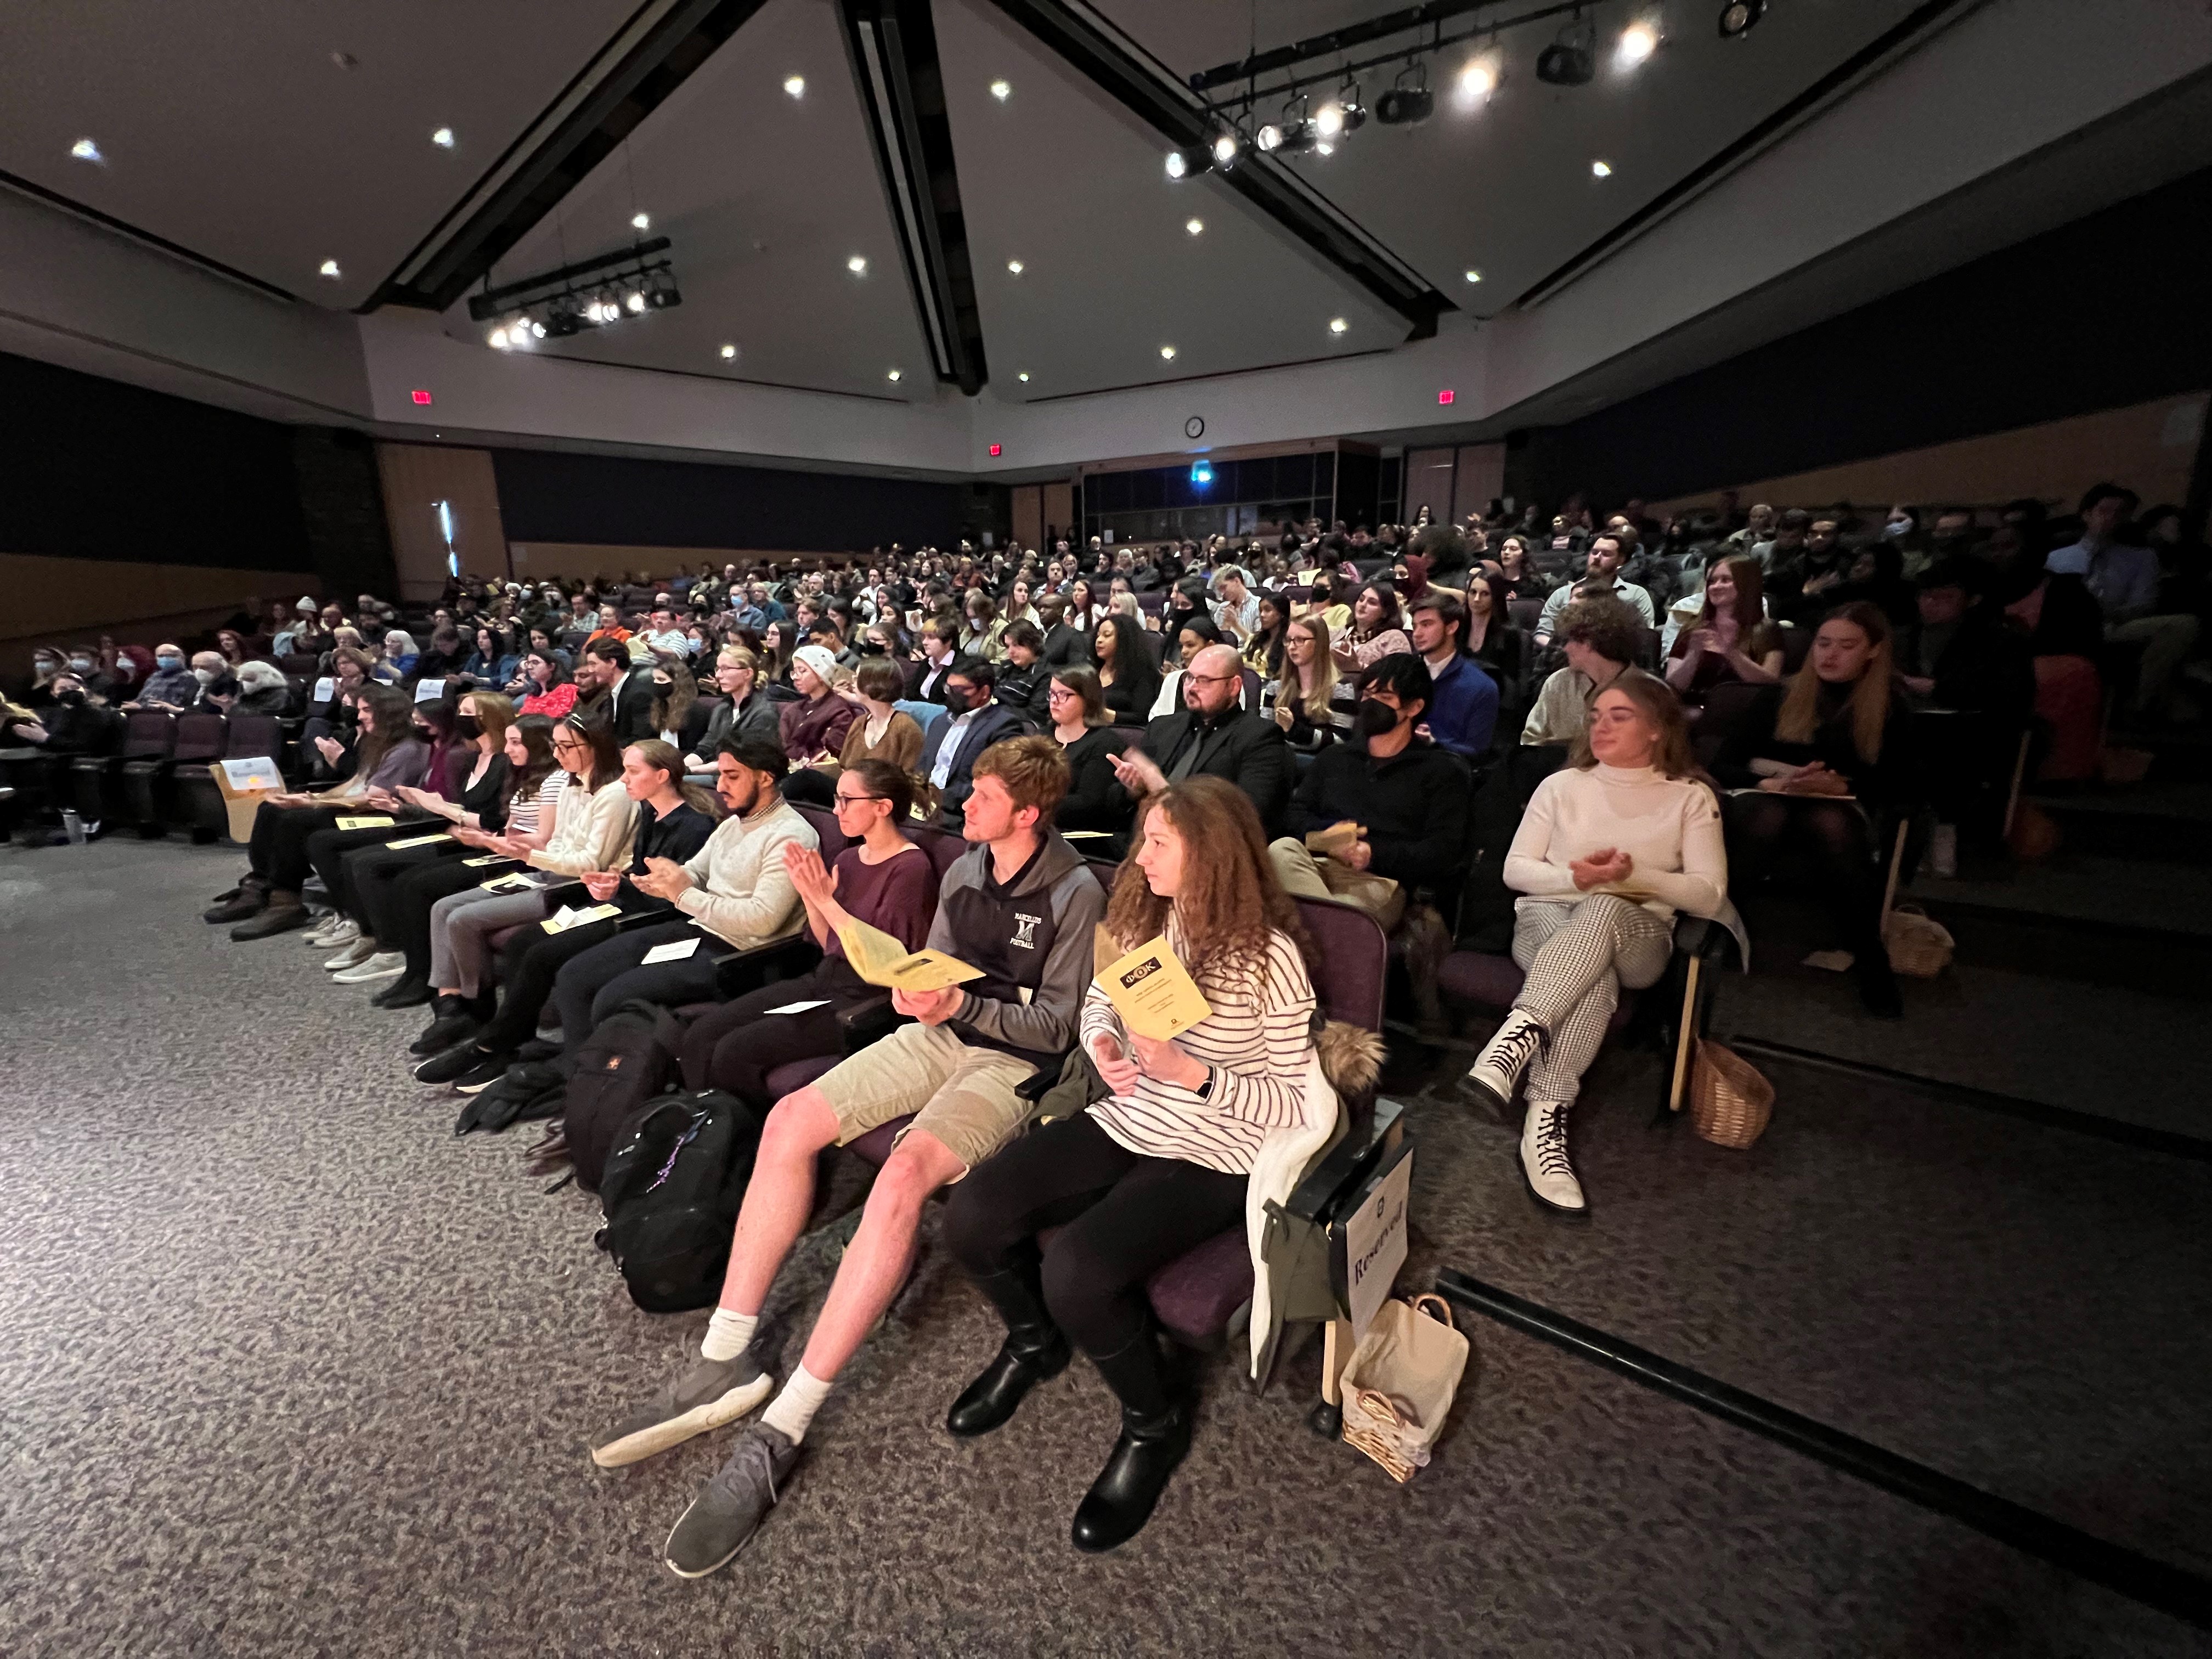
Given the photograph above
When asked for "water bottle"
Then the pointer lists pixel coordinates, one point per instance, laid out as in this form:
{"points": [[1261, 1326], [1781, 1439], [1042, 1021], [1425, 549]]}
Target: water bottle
{"points": [[74, 826]]}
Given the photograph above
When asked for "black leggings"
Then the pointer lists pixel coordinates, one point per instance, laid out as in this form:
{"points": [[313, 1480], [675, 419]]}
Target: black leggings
{"points": [[737, 1045], [1829, 840], [1122, 1217], [528, 963], [290, 843], [371, 875]]}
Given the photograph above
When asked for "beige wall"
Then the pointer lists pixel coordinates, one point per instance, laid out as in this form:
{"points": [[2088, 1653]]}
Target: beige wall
{"points": [[1028, 502], [417, 476], [66, 601], [2150, 447], [535, 560]]}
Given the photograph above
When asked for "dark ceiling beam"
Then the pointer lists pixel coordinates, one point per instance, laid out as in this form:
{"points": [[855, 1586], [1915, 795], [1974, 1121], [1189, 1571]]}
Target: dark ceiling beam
{"points": [[463, 248], [894, 48], [1156, 99]]}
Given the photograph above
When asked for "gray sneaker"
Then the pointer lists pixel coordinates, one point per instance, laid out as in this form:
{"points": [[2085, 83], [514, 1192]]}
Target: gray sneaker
{"points": [[731, 1506], [711, 1393]]}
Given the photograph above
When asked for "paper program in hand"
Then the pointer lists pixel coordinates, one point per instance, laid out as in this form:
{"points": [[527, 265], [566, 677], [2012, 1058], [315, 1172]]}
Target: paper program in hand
{"points": [[1337, 839], [1153, 992], [881, 960]]}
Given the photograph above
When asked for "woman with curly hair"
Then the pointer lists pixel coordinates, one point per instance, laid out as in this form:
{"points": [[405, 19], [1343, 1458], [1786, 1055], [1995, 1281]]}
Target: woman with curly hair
{"points": [[1158, 1166]]}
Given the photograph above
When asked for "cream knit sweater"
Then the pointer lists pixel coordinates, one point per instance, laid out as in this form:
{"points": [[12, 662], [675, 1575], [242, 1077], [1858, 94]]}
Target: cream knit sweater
{"points": [[1670, 827], [741, 891]]}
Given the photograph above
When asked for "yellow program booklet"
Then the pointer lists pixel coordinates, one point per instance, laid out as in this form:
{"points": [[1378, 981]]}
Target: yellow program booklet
{"points": [[367, 821], [1336, 840], [881, 960], [1153, 992]]}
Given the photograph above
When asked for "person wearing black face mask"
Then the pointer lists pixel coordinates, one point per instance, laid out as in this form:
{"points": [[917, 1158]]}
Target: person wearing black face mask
{"points": [[971, 723], [1408, 797]]}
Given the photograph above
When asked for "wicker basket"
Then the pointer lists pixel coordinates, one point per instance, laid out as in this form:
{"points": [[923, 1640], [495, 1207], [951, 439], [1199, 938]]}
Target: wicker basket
{"points": [[1730, 1102], [1919, 944], [1374, 1425]]}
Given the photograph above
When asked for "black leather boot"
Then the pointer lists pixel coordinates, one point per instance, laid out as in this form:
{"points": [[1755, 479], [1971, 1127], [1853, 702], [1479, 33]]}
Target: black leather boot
{"points": [[1034, 1350], [1155, 1438], [452, 1023]]}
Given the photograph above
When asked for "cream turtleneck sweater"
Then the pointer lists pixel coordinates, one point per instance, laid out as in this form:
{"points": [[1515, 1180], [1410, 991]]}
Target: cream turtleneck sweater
{"points": [[1671, 827]]}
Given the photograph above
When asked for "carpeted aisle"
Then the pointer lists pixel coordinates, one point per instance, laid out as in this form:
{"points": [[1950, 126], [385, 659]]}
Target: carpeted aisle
{"points": [[288, 1370]]}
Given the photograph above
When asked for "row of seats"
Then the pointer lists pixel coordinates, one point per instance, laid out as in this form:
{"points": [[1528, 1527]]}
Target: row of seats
{"points": [[158, 778]]}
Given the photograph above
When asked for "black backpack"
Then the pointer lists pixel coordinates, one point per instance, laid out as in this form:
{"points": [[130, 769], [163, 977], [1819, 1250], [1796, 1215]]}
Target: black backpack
{"points": [[671, 1189], [629, 1057]]}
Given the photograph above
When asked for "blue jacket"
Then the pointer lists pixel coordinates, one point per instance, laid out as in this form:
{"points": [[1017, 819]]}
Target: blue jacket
{"points": [[1464, 714]]}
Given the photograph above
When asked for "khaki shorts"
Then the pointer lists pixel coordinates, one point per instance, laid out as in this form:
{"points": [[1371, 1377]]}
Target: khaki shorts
{"points": [[963, 1096]]}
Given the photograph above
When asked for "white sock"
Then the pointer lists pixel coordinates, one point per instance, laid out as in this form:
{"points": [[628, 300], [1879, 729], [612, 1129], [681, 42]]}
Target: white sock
{"points": [[790, 1412], [727, 1332]]}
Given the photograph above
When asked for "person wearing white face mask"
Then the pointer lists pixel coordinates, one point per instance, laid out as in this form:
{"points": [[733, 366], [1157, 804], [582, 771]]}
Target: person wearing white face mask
{"points": [[172, 685]]}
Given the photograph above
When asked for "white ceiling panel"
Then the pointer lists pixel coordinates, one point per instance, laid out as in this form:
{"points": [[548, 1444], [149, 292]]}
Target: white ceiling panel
{"points": [[226, 127], [1062, 179], [1504, 187], [766, 198]]}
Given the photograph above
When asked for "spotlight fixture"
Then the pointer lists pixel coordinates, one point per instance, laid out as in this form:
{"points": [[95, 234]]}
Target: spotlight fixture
{"points": [[1023, 377], [1183, 163], [1001, 91], [1227, 145], [729, 353], [1342, 113], [795, 85], [443, 137], [1167, 354], [1014, 267], [1478, 79], [1637, 43], [1291, 132], [1570, 60], [857, 266], [85, 151], [328, 268], [1193, 227], [640, 222], [1473, 275], [1409, 101], [1338, 326], [1601, 169], [592, 293], [1738, 17]]}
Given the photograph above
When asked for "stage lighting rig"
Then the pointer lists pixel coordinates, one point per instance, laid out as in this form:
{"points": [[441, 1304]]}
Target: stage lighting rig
{"points": [[590, 293]]}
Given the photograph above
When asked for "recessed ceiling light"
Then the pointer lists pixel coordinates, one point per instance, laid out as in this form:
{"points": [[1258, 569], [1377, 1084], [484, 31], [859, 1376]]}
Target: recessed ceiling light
{"points": [[1167, 351], [1337, 325], [795, 85], [640, 222], [1473, 275], [1638, 42], [728, 352], [1001, 91], [1193, 226], [443, 137], [1015, 266], [1601, 169], [893, 376], [1023, 377], [857, 266], [85, 151], [329, 268]]}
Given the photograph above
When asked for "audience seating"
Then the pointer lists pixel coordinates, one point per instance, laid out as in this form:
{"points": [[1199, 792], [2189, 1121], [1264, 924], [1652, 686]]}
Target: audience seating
{"points": [[126, 788]]}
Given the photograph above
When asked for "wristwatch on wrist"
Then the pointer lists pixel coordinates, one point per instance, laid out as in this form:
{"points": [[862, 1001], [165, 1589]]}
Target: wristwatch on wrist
{"points": [[1205, 1090]]}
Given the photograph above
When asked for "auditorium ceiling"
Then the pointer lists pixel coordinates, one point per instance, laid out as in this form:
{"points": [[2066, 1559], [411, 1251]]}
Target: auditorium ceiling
{"points": [[889, 198]]}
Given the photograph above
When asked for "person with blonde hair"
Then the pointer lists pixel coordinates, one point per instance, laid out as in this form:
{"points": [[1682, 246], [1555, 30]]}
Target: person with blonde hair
{"points": [[1609, 849], [1158, 1167], [1313, 704]]}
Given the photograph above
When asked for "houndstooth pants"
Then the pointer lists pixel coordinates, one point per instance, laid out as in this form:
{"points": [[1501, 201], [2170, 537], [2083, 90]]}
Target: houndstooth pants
{"points": [[1577, 954]]}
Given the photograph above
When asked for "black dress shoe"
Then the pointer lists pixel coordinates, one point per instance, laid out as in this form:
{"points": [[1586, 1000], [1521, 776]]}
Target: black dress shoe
{"points": [[1137, 1472], [444, 1032], [408, 991], [283, 913], [1023, 1361]]}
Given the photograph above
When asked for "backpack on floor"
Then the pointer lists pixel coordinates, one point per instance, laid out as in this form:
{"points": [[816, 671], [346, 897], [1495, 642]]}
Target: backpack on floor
{"points": [[628, 1059], [671, 1189]]}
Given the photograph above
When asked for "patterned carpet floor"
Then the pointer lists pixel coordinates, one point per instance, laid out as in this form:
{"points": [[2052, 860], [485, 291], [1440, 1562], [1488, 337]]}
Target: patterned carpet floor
{"points": [[290, 1370]]}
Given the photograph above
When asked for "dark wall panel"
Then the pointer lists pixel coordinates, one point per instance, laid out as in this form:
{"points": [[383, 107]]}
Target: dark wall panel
{"points": [[2108, 311], [547, 497], [93, 469]]}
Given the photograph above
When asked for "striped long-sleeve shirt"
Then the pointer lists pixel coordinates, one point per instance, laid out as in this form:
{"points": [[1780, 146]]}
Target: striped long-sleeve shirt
{"points": [[1254, 1043]]}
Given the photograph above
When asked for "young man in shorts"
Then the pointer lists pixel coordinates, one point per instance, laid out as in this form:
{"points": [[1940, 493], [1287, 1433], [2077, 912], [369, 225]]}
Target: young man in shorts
{"points": [[1020, 905]]}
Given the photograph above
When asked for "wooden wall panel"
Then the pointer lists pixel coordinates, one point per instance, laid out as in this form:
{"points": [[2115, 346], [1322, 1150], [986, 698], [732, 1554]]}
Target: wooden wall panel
{"points": [[417, 476], [1028, 501], [59, 601], [2150, 447], [537, 560], [1427, 482], [1479, 479], [1059, 512]]}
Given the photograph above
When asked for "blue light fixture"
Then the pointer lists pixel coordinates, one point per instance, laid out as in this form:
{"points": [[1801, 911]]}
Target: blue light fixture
{"points": [[1201, 473]]}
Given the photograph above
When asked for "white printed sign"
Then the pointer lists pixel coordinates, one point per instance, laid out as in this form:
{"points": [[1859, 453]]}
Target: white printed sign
{"points": [[325, 687], [429, 690], [257, 773], [798, 1007], [1375, 1245], [674, 951]]}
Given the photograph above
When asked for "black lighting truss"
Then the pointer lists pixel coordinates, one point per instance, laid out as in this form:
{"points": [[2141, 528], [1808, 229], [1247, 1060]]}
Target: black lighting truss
{"points": [[590, 293]]}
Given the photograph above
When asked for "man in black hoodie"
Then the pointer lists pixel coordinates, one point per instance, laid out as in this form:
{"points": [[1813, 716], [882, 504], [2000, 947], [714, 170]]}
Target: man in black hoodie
{"points": [[1409, 797], [1020, 906]]}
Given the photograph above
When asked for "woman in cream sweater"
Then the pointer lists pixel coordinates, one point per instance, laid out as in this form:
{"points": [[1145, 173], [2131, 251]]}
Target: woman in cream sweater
{"points": [[1608, 850]]}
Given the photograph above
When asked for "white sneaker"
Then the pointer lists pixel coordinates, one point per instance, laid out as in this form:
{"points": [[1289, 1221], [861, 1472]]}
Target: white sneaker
{"points": [[1544, 1159], [358, 951], [1497, 1071], [385, 965], [338, 929]]}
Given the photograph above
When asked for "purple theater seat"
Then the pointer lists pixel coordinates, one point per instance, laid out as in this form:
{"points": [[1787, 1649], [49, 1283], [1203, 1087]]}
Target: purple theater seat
{"points": [[794, 1075], [876, 1145], [1193, 1295], [1485, 980], [833, 840]]}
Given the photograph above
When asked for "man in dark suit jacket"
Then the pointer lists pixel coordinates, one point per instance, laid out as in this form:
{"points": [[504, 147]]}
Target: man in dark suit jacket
{"points": [[1064, 646], [628, 688], [972, 722], [1212, 737]]}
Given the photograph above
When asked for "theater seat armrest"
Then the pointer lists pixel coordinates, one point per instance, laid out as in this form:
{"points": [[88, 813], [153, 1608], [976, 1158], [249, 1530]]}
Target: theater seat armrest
{"points": [[864, 1021]]}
